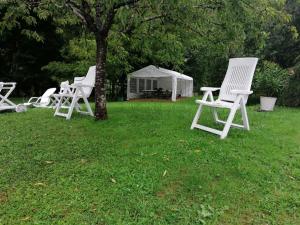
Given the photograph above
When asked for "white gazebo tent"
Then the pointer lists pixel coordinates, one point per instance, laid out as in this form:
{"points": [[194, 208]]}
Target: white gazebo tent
{"points": [[150, 78]]}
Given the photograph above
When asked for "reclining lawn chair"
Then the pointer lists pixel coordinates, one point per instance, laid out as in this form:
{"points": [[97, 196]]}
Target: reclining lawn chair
{"points": [[63, 87], [45, 101], [5, 103], [233, 95], [80, 89]]}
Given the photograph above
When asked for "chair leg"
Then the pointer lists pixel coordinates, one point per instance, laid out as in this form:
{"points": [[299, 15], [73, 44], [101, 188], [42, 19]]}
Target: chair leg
{"points": [[215, 114], [66, 102], [214, 110], [198, 113], [77, 107], [228, 123], [245, 116], [88, 106], [197, 116], [58, 106], [230, 118], [70, 111]]}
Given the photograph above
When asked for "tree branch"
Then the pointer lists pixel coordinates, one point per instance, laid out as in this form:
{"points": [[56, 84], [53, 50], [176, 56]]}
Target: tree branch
{"points": [[131, 27], [87, 13], [124, 3], [76, 9], [83, 12]]}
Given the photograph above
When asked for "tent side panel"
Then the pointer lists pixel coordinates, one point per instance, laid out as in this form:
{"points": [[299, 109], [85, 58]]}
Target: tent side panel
{"points": [[174, 88], [165, 83], [128, 88], [191, 88]]}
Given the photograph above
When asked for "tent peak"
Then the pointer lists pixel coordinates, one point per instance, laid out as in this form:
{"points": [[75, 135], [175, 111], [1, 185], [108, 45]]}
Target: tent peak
{"points": [[154, 71]]}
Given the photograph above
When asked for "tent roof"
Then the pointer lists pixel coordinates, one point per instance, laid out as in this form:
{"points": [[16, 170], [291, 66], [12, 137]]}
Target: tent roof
{"points": [[153, 71]]}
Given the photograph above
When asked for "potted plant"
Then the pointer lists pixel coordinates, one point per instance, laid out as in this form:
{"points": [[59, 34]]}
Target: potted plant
{"points": [[269, 83]]}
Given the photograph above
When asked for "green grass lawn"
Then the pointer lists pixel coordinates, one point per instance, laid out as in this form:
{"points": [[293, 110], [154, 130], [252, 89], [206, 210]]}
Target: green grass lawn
{"points": [[145, 166]]}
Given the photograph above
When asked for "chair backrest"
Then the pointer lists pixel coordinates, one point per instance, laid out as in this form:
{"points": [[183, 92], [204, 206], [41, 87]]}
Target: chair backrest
{"points": [[89, 79], [63, 87], [239, 76], [45, 98]]}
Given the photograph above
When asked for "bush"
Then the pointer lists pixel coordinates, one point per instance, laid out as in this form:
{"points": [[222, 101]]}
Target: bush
{"points": [[291, 95], [270, 80]]}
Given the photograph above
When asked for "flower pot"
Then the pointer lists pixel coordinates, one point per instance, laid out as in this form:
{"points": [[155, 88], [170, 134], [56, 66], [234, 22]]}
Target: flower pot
{"points": [[267, 103]]}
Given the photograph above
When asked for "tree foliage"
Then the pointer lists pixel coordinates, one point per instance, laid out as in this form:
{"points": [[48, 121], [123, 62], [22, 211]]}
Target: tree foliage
{"points": [[193, 36]]}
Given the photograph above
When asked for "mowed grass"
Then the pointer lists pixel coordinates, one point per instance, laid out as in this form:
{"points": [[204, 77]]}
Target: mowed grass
{"points": [[145, 166]]}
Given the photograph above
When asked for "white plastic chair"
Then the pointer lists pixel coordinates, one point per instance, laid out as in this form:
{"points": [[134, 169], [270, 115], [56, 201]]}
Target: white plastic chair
{"points": [[45, 101], [233, 95], [6, 89], [80, 89], [63, 88], [5, 103]]}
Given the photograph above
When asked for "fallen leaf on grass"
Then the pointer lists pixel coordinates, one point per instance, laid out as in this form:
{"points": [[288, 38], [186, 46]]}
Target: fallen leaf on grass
{"points": [[25, 218], [165, 173], [293, 178], [166, 158], [174, 209], [113, 180], [40, 184], [48, 162], [3, 197], [83, 161]]}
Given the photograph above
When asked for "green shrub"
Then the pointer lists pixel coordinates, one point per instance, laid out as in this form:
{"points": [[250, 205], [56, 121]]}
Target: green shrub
{"points": [[270, 80], [291, 95]]}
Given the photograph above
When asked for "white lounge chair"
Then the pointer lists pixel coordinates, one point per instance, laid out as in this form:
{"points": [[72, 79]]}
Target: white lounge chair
{"points": [[80, 89], [233, 95], [45, 101]]}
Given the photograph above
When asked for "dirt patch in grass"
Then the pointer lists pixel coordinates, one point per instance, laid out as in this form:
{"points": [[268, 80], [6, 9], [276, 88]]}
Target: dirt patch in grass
{"points": [[169, 190], [3, 197]]}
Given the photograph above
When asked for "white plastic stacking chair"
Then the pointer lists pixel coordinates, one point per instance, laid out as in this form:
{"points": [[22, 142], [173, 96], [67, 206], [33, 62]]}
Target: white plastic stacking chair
{"points": [[5, 90], [63, 88], [80, 89], [233, 95], [45, 101]]}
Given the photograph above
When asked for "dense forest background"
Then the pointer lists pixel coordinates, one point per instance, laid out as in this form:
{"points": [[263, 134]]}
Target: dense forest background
{"points": [[41, 50]]}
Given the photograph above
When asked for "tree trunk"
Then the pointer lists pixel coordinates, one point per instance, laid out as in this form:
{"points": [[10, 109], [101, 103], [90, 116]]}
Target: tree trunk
{"points": [[123, 93], [100, 95]]}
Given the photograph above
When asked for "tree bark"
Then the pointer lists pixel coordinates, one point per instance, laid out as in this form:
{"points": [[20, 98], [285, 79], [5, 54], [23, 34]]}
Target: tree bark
{"points": [[123, 86], [100, 95]]}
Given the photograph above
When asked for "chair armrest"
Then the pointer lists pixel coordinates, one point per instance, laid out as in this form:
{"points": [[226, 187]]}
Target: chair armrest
{"points": [[209, 89], [32, 98], [241, 92], [81, 85], [76, 79], [8, 83]]}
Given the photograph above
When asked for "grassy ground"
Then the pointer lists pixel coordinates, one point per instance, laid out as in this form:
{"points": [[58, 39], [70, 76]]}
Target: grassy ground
{"points": [[145, 166]]}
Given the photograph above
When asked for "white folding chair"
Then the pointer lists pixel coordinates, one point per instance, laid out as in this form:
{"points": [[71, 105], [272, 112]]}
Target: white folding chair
{"points": [[45, 101], [5, 90], [63, 88], [233, 95], [80, 89]]}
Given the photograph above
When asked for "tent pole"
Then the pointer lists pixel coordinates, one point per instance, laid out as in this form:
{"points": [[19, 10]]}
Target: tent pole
{"points": [[174, 88], [128, 88]]}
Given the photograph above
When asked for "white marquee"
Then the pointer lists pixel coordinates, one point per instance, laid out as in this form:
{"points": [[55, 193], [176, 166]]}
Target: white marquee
{"points": [[151, 78]]}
